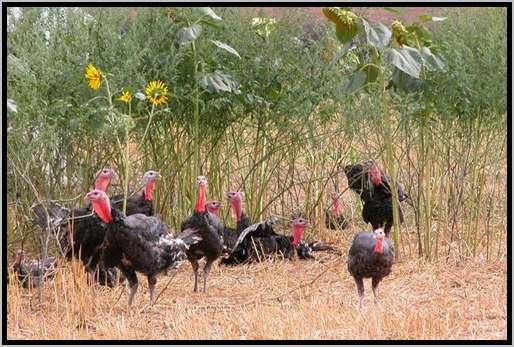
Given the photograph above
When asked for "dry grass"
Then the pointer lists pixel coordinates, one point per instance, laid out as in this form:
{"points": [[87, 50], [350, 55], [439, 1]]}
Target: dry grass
{"points": [[458, 299]]}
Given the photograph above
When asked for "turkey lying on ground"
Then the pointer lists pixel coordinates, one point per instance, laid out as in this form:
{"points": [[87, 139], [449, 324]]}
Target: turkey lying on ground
{"points": [[210, 228], [259, 241], [139, 243], [79, 232], [334, 218], [33, 273], [371, 255]]}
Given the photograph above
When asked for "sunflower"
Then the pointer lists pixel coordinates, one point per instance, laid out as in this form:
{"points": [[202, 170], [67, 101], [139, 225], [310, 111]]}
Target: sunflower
{"points": [[157, 92], [400, 34], [94, 77], [126, 96], [343, 19]]}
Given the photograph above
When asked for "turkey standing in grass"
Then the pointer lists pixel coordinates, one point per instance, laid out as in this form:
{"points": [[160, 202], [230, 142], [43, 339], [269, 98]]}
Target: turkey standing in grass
{"points": [[80, 232], [141, 202], [374, 189], [139, 243], [334, 218], [35, 272], [359, 179], [371, 255], [210, 228]]}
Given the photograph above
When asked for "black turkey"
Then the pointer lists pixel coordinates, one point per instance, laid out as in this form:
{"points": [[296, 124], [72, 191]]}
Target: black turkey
{"points": [[32, 274], [334, 218], [79, 232], [373, 186], [259, 241], [141, 202], [139, 243], [371, 256], [210, 228], [359, 179]]}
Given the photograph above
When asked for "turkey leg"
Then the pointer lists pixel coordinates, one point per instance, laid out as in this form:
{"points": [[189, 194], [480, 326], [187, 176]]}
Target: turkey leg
{"points": [[374, 284], [152, 281], [360, 289], [206, 271]]}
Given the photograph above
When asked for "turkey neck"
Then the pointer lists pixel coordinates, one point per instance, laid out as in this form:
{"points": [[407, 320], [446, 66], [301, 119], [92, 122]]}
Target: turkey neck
{"points": [[200, 201], [102, 183], [336, 208], [103, 210], [297, 235], [149, 190], [379, 245], [238, 210]]}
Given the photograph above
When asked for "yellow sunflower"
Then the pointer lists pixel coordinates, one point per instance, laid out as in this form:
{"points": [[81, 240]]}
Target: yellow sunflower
{"points": [[94, 77], [157, 92], [126, 96]]}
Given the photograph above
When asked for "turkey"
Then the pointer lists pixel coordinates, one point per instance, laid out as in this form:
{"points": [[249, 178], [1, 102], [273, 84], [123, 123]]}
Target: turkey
{"points": [[80, 233], [371, 255], [359, 179], [213, 207], [374, 190], [141, 202], [139, 243], [230, 235], [32, 274], [260, 241], [334, 218], [210, 228]]}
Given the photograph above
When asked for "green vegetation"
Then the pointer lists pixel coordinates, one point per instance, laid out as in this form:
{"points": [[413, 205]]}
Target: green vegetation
{"points": [[275, 108]]}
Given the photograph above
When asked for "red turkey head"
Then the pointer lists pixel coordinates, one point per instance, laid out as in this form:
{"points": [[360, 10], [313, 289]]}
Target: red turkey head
{"points": [[379, 236], [101, 204], [299, 226], [375, 174], [213, 207], [202, 194], [235, 199], [149, 179], [201, 181], [103, 178]]}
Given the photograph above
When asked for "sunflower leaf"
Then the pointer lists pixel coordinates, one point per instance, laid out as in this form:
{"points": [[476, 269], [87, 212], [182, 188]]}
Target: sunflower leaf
{"points": [[209, 12], [226, 47], [217, 82], [189, 34]]}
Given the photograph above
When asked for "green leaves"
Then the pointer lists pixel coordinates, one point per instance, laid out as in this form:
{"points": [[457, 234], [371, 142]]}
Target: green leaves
{"points": [[11, 106], [263, 26], [356, 82], [407, 59], [345, 36], [226, 48], [424, 18], [431, 61], [189, 34], [210, 13], [217, 82], [362, 77], [405, 82], [378, 36]]}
